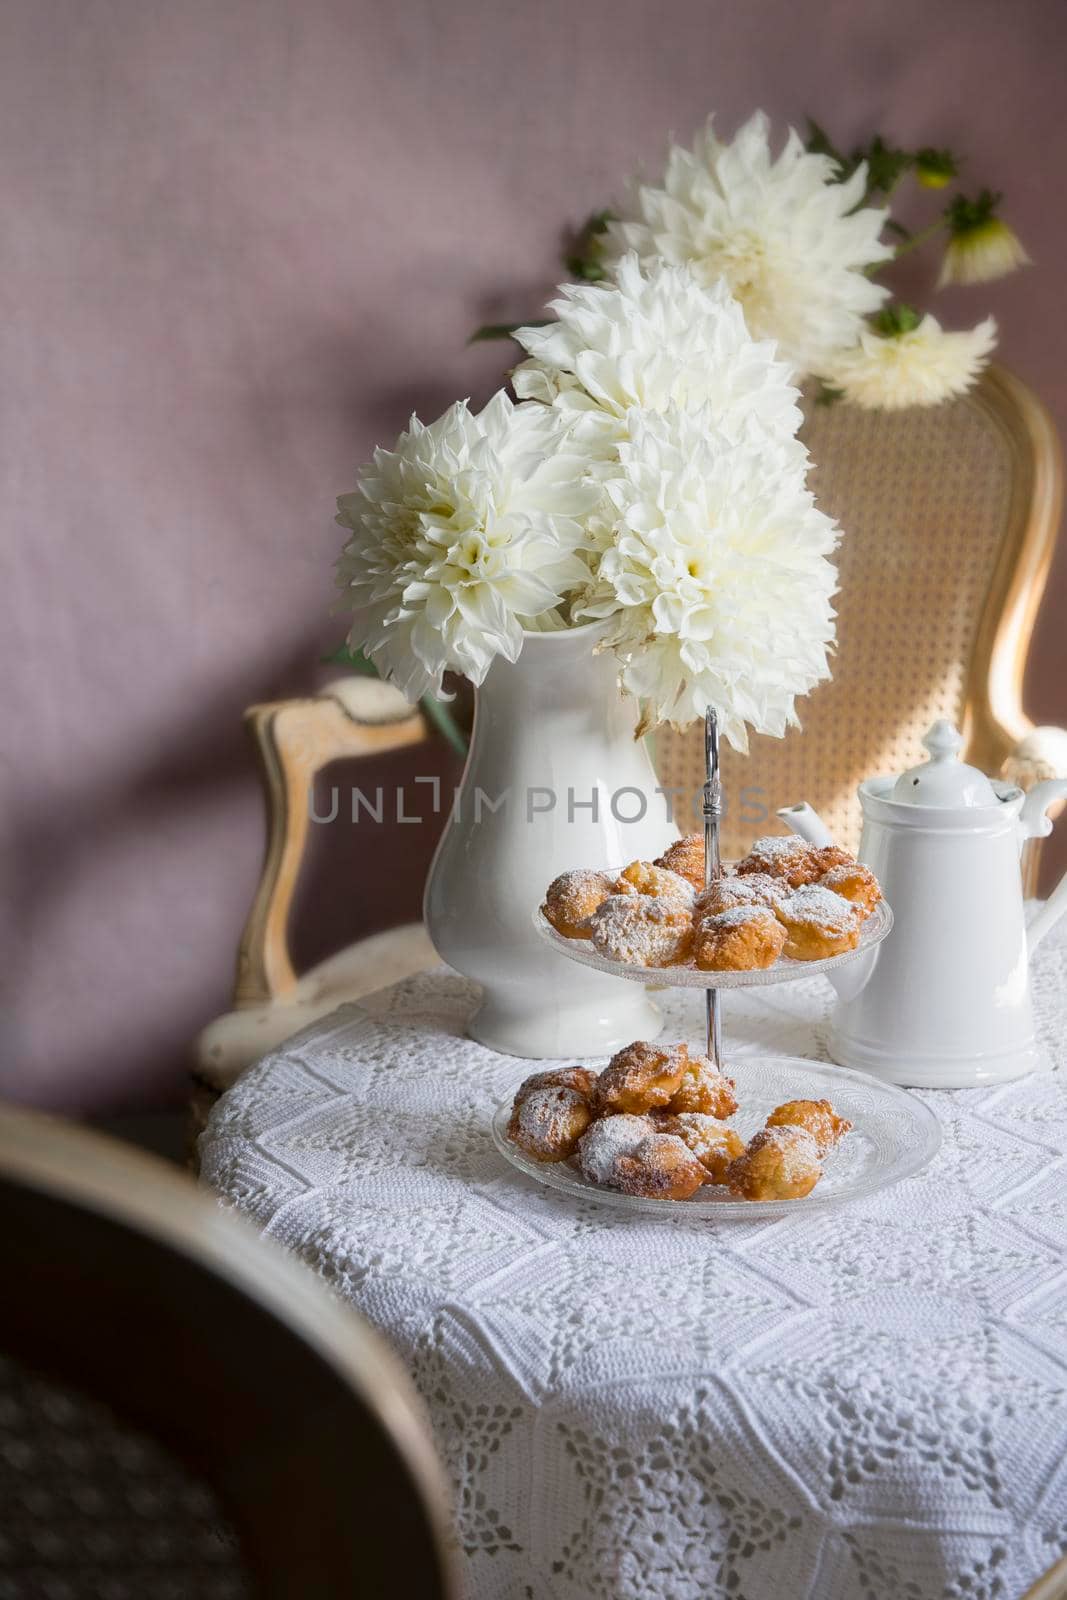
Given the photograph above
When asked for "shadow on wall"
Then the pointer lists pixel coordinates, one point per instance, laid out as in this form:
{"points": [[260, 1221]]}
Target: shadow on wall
{"points": [[117, 1029], [365, 869]]}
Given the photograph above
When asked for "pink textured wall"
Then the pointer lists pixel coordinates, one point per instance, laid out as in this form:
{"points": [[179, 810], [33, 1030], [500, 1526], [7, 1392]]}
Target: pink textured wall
{"points": [[241, 241]]}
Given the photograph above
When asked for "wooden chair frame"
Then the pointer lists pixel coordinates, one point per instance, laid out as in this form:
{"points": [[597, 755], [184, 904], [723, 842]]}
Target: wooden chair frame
{"points": [[994, 720], [125, 1282], [1052, 1586], [295, 740]]}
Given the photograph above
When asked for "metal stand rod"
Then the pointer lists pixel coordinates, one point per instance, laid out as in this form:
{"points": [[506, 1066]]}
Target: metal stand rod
{"points": [[712, 812]]}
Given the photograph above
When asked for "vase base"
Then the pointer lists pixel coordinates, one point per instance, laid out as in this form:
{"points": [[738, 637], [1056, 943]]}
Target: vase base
{"points": [[554, 1032]]}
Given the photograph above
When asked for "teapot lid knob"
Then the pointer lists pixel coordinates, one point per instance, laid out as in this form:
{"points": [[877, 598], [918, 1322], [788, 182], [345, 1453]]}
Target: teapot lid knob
{"points": [[944, 781], [943, 741]]}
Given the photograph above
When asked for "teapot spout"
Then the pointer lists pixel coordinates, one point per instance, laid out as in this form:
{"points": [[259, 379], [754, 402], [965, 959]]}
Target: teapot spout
{"points": [[802, 820]]}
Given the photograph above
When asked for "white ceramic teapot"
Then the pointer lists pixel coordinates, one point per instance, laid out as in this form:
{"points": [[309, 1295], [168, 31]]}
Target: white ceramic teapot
{"points": [[944, 1002]]}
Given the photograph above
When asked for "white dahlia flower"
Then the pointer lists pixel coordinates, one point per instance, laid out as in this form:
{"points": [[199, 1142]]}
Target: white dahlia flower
{"points": [[716, 584], [651, 340], [793, 245], [465, 530], [921, 365]]}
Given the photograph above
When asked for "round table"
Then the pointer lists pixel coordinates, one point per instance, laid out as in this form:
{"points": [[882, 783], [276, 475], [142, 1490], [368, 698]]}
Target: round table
{"points": [[869, 1401]]}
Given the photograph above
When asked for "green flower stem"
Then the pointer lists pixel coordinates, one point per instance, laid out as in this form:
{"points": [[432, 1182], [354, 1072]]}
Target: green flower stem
{"points": [[437, 711], [872, 189], [445, 723], [915, 240]]}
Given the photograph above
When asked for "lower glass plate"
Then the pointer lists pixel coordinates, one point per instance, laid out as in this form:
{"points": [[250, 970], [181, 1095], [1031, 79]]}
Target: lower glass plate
{"points": [[894, 1135]]}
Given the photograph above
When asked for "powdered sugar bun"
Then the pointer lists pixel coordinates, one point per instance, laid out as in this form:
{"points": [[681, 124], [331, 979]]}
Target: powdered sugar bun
{"points": [[548, 1122], [661, 1167], [816, 1117], [819, 923], [644, 877], [743, 939], [607, 1140], [686, 857], [640, 1076], [778, 1164], [780, 856], [854, 882], [571, 899], [642, 930], [751, 889], [714, 1143]]}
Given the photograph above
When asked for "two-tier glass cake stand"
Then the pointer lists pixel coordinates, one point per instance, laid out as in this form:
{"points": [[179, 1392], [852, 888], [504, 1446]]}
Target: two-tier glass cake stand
{"points": [[894, 1134]]}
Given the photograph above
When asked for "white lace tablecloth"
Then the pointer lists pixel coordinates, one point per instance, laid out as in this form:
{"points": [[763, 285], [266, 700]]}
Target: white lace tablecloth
{"points": [[863, 1402]]}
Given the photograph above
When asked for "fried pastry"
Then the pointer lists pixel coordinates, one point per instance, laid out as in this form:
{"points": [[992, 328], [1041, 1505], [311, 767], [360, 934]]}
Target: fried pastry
{"points": [[854, 882], [641, 1076], [703, 1089], [714, 1143], [779, 856], [792, 858], [548, 1122], [739, 940], [777, 1164], [825, 857], [818, 1117], [661, 1167], [642, 930], [583, 1079], [819, 923], [613, 1136], [753, 889], [571, 899], [644, 877], [686, 857]]}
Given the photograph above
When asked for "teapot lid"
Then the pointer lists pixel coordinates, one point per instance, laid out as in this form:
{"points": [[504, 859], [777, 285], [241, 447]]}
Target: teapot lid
{"points": [[944, 780]]}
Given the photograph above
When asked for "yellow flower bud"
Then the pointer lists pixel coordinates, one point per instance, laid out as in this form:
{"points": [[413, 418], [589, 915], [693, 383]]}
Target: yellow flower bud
{"points": [[935, 168]]}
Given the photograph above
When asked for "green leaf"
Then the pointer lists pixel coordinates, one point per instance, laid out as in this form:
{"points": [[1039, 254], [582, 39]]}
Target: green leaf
{"points": [[886, 165], [963, 215], [354, 660], [582, 267], [827, 395], [582, 258], [501, 330], [819, 143], [892, 321]]}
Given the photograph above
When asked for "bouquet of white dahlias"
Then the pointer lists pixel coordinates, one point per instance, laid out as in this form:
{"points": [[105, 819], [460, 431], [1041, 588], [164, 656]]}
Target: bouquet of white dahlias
{"points": [[801, 239], [649, 478]]}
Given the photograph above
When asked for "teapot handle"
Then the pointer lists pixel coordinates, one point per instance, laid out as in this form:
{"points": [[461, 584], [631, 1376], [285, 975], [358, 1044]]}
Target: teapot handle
{"points": [[1036, 825]]}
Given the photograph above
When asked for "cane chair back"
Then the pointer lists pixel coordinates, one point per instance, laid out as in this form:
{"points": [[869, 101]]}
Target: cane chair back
{"points": [[183, 1409], [949, 518]]}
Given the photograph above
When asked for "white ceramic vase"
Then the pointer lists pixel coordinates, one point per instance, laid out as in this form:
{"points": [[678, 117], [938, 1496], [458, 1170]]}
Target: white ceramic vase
{"points": [[554, 779]]}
